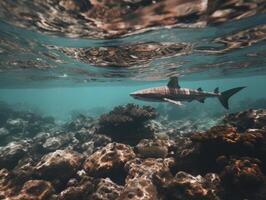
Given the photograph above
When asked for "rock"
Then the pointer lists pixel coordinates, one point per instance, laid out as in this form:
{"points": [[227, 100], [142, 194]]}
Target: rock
{"points": [[61, 164], [35, 190], [127, 123], [109, 161], [249, 119], [156, 148], [106, 190], [77, 190], [12, 153]]}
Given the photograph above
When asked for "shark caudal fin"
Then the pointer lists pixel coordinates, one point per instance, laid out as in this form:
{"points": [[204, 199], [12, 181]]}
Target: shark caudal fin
{"points": [[227, 94]]}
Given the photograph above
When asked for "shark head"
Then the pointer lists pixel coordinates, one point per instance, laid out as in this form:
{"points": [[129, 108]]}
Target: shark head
{"points": [[137, 95], [146, 95]]}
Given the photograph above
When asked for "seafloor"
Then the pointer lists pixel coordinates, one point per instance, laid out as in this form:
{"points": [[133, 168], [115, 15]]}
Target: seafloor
{"points": [[129, 154]]}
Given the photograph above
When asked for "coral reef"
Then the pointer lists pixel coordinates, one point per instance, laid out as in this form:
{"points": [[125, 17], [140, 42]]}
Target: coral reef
{"points": [[109, 160], [156, 148], [106, 190], [12, 153], [77, 189], [139, 182], [241, 177], [127, 123], [74, 161], [16, 125], [51, 165], [247, 119], [186, 186], [35, 190]]}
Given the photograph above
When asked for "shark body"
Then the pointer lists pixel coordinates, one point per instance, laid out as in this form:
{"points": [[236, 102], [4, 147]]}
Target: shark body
{"points": [[173, 93]]}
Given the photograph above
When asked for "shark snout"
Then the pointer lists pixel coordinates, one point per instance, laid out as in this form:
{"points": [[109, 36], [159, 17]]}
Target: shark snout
{"points": [[134, 94]]}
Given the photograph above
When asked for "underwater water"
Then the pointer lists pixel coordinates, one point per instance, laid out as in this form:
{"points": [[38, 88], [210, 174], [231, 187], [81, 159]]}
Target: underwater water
{"points": [[67, 69]]}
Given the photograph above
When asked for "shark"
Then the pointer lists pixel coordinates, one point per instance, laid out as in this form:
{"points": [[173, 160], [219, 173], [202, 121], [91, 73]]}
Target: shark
{"points": [[175, 94]]}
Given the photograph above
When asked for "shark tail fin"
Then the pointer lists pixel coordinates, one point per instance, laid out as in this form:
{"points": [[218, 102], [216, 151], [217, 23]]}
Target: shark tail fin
{"points": [[227, 94]]}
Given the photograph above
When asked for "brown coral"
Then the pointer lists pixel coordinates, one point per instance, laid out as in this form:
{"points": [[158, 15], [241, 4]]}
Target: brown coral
{"points": [[106, 190], [127, 123], [187, 186], [156, 148], [35, 190], [139, 182], [30, 190], [77, 190], [242, 173], [247, 119], [108, 160], [53, 164], [217, 135]]}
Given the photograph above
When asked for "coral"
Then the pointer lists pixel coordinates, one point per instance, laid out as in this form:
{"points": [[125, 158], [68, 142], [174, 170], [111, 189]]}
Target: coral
{"points": [[109, 160], [139, 182], [77, 190], [186, 186], [58, 141], [106, 190], [35, 190], [156, 148], [247, 119], [127, 123], [88, 141], [218, 135], [224, 140], [12, 153], [81, 121], [242, 174], [7, 187], [141, 188], [72, 162], [14, 188], [21, 124], [52, 165]]}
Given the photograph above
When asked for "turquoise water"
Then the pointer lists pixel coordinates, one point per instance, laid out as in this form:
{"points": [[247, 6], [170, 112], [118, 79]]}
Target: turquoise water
{"points": [[70, 127], [94, 100], [50, 71]]}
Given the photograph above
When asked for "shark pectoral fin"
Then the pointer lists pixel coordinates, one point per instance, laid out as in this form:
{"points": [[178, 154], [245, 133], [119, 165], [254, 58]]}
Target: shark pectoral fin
{"points": [[172, 101]]}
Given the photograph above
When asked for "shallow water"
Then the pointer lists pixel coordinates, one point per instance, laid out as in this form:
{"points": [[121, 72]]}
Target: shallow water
{"points": [[67, 66], [52, 67]]}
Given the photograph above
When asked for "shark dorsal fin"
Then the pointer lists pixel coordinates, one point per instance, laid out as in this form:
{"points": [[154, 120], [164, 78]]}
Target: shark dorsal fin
{"points": [[201, 100], [173, 83], [200, 89], [216, 90]]}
